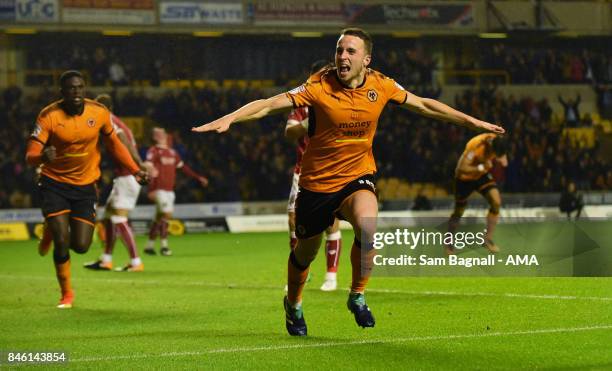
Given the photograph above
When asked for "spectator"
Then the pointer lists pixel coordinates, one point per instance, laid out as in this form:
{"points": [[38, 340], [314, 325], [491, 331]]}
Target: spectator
{"points": [[570, 111], [571, 201], [421, 202]]}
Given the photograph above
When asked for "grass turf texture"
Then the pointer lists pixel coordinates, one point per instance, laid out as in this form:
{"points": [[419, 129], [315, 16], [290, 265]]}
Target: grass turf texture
{"points": [[218, 303]]}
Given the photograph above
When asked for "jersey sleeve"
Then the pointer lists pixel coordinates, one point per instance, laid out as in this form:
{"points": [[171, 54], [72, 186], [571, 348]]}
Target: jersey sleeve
{"points": [[297, 115], [116, 126], [151, 154], [179, 160], [107, 122], [472, 149], [305, 94], [42, 129], [394, 92]]}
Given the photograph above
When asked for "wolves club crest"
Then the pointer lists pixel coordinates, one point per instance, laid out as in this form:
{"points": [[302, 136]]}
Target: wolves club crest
{"points": [[91, 123], [372, 95]]}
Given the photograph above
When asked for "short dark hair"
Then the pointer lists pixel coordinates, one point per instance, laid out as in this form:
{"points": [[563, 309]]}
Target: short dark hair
{"points": [[500, 146], [318, 65], [358, 32], [106, 100], [69, 74]]}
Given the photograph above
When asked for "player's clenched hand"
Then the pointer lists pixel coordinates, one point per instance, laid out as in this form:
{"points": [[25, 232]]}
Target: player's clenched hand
{"points": [[219, 125], [203, 181], [150, 169], [49, 154], [483, 125], [142, 177]]}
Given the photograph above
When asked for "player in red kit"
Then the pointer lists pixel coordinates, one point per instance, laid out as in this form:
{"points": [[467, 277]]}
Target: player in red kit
{"points": [[165, 161], [121, 201], [297, 129]]}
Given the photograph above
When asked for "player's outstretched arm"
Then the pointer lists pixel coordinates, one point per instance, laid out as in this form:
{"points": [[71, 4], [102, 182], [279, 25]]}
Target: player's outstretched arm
{"points": [[440, 111], [254, 110], [192, 174]]}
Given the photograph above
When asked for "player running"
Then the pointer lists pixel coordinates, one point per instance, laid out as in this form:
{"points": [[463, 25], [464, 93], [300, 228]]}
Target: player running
{"points": [[338, 167], [65, 142], [472, 174], [164, 160], [121, 201]]}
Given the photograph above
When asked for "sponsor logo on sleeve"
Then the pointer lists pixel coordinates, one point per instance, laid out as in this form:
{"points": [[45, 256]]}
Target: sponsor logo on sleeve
{"points": [[298, 90], [36, 131]]}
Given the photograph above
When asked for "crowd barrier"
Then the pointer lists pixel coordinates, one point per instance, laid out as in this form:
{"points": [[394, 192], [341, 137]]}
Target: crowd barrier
{"points": [[24, 224]]}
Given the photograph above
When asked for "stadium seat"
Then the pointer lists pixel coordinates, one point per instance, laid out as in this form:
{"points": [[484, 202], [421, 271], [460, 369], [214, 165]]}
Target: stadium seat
{"points": [[172, 84]]}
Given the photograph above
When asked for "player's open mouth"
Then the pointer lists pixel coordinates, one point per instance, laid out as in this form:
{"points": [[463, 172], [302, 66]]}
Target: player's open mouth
{"points": [[344, 69]]}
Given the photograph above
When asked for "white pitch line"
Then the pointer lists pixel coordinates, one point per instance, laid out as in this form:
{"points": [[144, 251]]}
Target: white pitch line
{"points": [[278, 287], [342, 343], [503, 294]]}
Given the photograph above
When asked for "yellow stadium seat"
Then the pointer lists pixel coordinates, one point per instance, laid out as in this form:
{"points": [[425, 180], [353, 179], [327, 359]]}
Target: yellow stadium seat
{"points": [[255, 84], [403, 191], [169, 84], [242, 84]]}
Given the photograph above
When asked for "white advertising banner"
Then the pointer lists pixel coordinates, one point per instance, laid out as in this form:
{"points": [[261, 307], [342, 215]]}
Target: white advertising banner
{"points": [[192, 12]]}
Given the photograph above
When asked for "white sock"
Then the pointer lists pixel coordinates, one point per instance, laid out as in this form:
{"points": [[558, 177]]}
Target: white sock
{"points": [[292, 234], [164, 242], [135, 262], [107, 258], [150, 244], [116, 219], [334, 236], [330, 276]]}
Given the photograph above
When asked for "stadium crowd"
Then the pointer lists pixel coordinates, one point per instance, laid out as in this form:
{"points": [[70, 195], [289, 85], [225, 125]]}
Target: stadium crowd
{"points": [[546, 65], [121, 62], [253, 161]]}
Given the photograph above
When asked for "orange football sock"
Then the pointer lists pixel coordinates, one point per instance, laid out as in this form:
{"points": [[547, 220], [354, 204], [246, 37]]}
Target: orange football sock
{"points": [[101, 230], [296, 279], [361, 262], [62, 271]]}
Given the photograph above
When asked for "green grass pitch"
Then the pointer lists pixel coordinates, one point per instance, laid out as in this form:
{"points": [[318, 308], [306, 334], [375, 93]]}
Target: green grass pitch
{"points": [[217, 303]]}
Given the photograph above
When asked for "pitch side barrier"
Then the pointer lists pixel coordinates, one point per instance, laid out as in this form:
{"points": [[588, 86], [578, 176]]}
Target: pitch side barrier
{"points": [[23, 224], [278, 222]]}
